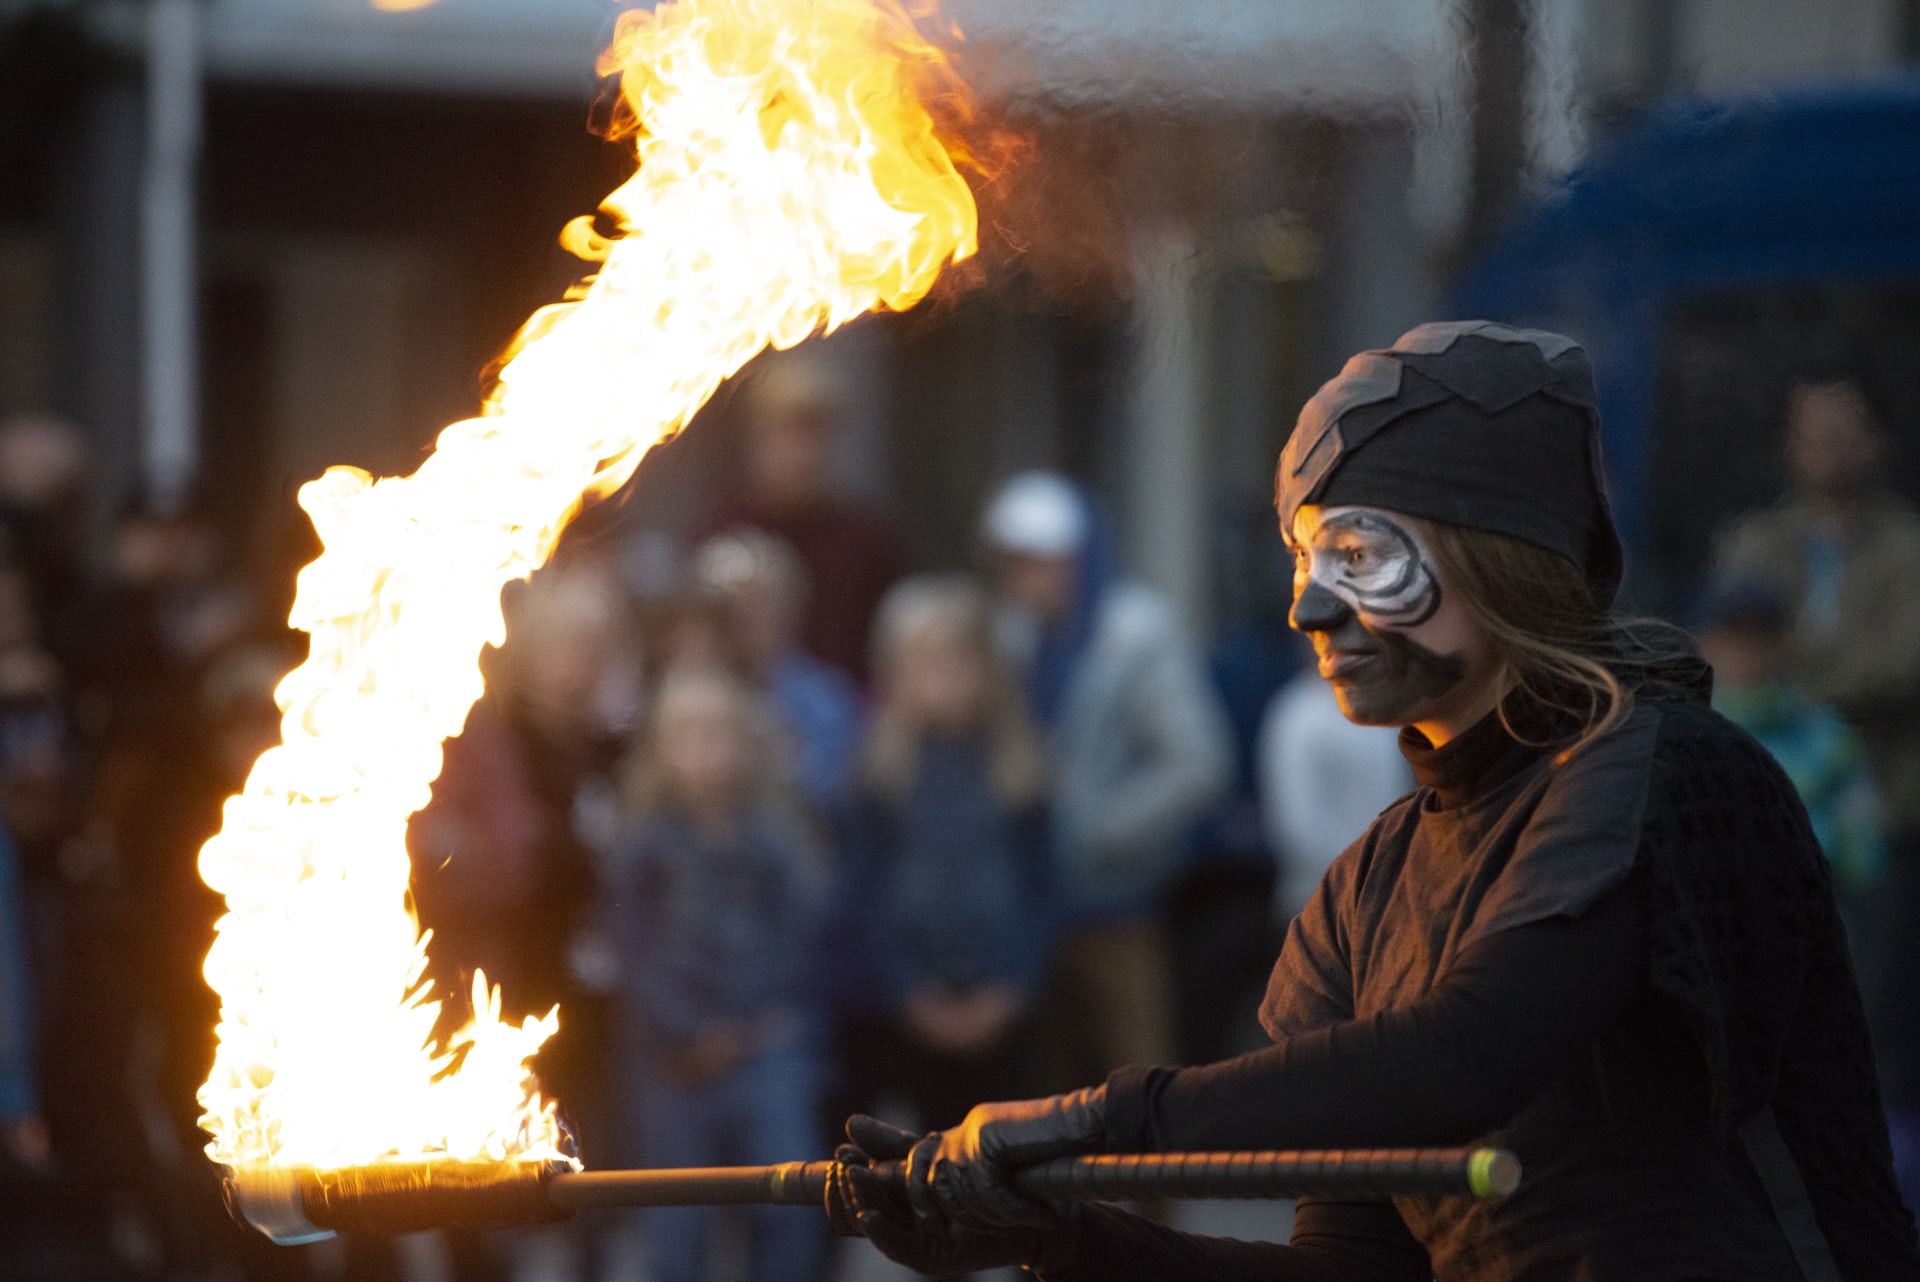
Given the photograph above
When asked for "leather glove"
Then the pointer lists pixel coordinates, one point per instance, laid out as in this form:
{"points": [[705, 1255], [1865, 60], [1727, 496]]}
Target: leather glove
{"points": [[863, 1203], [970, 1170]]}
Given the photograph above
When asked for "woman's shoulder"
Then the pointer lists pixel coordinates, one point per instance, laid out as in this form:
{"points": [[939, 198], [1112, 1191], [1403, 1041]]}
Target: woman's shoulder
{"points": [[1611, 767], [1717, 792], [1695, 747], [1670, 747]]}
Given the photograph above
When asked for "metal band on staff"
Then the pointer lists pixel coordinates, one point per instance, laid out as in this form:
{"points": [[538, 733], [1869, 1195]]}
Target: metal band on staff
{"points": [[297, 1206]]}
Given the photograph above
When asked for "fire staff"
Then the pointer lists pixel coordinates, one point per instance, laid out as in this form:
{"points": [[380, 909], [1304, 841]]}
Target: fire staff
{"points": [[1599, 933]]}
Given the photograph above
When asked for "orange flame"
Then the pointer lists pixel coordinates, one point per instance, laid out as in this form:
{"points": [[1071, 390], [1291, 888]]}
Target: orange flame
{"points": [[790, 179]]}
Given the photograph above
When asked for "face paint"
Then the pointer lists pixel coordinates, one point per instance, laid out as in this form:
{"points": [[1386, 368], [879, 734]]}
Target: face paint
{"points": [[1419, 669], [1367, 593], [1376, 565]]}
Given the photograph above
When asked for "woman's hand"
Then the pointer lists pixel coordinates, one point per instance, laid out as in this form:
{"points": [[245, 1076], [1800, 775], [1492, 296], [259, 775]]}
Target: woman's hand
{"points": [[968, 1171], [860, 1202]]}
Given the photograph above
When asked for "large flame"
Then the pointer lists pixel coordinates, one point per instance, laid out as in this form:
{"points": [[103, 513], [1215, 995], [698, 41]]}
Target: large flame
{"points": [[789, 180]]}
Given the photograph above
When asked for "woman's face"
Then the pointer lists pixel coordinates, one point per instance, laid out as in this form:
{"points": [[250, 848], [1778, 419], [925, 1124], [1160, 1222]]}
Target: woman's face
{"points": [[1395, 647]]}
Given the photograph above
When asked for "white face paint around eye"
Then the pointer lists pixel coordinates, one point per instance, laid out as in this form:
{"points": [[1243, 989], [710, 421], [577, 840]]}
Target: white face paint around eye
{"points": [[1375, 564]]}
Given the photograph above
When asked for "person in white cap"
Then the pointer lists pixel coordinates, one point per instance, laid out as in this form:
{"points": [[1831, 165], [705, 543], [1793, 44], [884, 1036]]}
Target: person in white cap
{"points": [[1141, 748]]}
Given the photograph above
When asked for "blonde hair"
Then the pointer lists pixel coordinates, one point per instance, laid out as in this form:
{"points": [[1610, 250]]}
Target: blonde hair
{"points": [[646, 786], [955, 604], [1553, 640]]}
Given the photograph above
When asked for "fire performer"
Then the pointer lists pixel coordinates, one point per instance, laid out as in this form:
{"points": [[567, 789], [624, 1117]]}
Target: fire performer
{"points": [[1599, 933]]}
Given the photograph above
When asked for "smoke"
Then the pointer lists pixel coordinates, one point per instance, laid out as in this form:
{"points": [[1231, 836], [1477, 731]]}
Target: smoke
{"points": [[1205, 55], [1099, 123], [1068, 213]]}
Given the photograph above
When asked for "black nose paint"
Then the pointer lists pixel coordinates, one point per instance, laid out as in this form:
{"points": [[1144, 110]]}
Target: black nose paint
{"points": [[1318, 610]]}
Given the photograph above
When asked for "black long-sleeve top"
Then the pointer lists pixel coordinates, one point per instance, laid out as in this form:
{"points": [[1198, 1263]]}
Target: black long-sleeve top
{"points": [[1603, 962]]}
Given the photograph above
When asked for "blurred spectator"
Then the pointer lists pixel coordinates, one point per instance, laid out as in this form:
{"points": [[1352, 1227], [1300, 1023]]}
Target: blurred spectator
{"points": [[1253, 655], [948, 848], [160, 800], [851, 555], [1744, 631], [79, 952], [476, 853], [23, 1136], [24, 1140], [166, 568], [157, 806], [1140, 749], [694, 627], [1844, 548], [46, 489], [476, 850], [109, 658], [35, 774], [817, 706], [1219, 922], [714, 919], [1323, 781], [567, 689], [35, 760]]}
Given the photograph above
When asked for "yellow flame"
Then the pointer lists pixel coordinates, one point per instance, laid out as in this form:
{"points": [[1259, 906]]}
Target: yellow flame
{"points": [[789, 180]]}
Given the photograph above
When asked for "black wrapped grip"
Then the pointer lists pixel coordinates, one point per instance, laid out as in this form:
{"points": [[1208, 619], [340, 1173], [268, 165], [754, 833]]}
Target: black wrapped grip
{"points": [[1450, 1172]]}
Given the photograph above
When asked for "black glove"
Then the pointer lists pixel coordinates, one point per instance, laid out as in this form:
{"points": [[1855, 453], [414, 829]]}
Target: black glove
{"points": [[861, 1202], [970, 1172]]}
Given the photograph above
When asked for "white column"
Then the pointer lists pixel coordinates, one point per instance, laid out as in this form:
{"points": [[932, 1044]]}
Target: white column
{"points": [[168, 259], [1165, 505], [1556, 95]]}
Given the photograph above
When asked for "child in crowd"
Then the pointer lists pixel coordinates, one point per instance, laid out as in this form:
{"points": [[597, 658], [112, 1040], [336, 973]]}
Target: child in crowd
{"points": [[1743, 632], [817, 706], [715, 922], [948, 843]]}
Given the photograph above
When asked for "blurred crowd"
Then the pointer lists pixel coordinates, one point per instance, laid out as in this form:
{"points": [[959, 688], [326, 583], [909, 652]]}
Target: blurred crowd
{"points": [[789, 833]]}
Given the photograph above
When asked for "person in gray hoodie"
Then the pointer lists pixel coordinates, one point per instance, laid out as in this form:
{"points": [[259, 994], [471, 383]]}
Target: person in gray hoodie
{"points": [[1140, 746]]}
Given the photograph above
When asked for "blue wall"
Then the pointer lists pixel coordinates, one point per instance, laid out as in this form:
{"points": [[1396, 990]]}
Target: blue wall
{"points": [[1809, 186]]}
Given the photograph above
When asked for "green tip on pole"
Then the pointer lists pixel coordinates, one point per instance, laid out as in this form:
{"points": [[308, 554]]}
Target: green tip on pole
{"points": [[1493, 1173]]}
